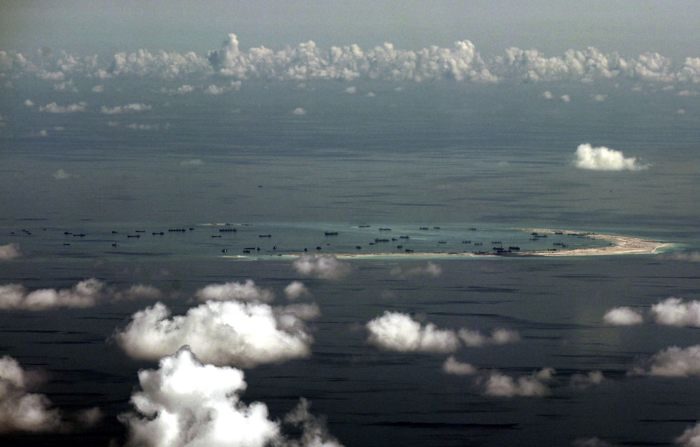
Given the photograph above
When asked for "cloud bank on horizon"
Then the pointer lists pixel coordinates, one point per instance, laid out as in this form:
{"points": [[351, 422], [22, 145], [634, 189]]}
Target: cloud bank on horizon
{"points": [[306, 61]]}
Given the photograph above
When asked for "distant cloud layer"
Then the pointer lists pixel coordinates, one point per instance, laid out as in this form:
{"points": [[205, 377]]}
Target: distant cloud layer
{"points": [[672, 311], [187, 403], [461, 62], [605, 159]]}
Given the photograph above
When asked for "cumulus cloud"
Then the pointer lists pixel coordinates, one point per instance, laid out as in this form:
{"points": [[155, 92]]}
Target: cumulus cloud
{"points": [[547, 95], [98, 88], [430, 269], [500, 385], [672, 362], [605, 159], [61, 174], [321, 266], [220, 332], [295, 290], [457, 368], [623, 316], [23, 411], [87, 293], [84, 294], [599, 97], [690, 437], [565, 98], [299, 111], [28, 103], [676, 312], [246, 291], [351, 90], [9, 252], [52, 107], [395, 331], [214, 89], [498, 336], [128, 108], [187, 403]]}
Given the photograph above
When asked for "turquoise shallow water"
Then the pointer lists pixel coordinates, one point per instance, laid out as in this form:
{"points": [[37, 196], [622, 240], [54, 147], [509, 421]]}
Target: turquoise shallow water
{"points": [[455, 156]]}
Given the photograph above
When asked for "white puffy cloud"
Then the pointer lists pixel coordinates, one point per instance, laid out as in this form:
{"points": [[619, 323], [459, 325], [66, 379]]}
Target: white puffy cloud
{"points": [[455, 367], [214, 89], [673, 362], [500, 385], [351, 90], [23, 411], [321, 266], [9, 252], [599, 97], [246, 291], [295, 290], [299, 111], [28, 103], [430, 269], [187, 403], [128, 108], [623, 316], [52, 107], [690, 437], [220, 332], [565, 98], [87, 293], [84, 294], [395, 331], [498, 336], [676, 312], [61, 174], [98, 88], [605, 159], [547, 95], [19, 409]]}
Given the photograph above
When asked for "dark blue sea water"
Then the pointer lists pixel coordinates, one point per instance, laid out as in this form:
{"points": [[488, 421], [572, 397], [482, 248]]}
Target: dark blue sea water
{"points": [[496, 158]]}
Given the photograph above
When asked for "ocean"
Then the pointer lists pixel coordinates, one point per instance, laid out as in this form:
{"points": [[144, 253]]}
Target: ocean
{"points": [[441, 155]]}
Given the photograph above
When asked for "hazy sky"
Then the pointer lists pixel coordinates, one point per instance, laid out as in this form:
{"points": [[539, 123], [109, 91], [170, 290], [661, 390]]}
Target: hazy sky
{"points": [[630, 26]]}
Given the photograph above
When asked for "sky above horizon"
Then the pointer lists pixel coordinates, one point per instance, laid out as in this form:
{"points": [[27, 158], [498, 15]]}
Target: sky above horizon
{"points": [[83, 26]]}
